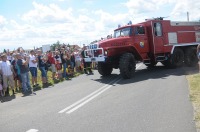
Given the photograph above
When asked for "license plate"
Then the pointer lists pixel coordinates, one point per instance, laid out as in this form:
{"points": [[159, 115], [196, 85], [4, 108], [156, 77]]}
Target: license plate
{"points": [[93, 59]]}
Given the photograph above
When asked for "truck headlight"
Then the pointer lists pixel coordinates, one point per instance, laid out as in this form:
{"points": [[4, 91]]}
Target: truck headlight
{"points": [[106, 52]]}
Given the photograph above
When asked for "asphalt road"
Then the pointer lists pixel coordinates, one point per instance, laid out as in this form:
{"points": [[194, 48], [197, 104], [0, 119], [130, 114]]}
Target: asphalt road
{"points": [[155, 100]]}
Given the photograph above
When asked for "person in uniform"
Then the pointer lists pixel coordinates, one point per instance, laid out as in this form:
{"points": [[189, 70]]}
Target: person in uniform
{"points": [[87, 65]]}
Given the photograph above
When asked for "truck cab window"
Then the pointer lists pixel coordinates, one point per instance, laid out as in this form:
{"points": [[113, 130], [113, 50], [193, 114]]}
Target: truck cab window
{"points": [[139, 30], [158, 29], [123, 32]]}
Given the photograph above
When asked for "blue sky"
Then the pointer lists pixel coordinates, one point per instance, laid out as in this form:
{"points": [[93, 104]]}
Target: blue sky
{"points": [[30, 23]]}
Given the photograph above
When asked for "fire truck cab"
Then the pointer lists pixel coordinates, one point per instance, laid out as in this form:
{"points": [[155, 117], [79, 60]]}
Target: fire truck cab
{"points": [[172, 43]]}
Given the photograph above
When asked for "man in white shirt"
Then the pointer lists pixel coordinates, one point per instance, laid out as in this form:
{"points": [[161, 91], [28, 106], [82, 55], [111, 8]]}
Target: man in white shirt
{"points": [[33, 67], [7, 72]]}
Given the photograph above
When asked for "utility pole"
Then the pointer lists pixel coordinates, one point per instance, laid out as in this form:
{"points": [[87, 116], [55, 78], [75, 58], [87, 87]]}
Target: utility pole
{"points": [[188, 19]]}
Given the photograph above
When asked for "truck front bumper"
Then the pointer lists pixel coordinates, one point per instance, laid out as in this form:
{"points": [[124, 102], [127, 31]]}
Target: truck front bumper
{"points": [[95, 59], [92, 57]]}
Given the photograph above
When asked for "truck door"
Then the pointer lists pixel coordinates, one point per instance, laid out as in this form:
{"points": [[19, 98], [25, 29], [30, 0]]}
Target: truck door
{"points": [[158, 38], [141, 39]]}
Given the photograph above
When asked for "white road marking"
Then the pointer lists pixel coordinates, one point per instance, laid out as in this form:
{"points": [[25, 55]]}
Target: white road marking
{"points": [[32, 130], [81, 100], [91, 96]]}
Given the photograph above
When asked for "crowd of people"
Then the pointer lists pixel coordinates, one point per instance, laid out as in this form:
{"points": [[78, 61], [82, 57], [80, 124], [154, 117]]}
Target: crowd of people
{"points": [[16, 67]]}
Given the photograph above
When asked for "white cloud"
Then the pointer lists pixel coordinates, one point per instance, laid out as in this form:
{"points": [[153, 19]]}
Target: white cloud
{"points": [[107, 21], [143, 6], [80, 28], [139, 8], [184, 6], [44, 26], [89, 2], [48, 14], [3, 22]]}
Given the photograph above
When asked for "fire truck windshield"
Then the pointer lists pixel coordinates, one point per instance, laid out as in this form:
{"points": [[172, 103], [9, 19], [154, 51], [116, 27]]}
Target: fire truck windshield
{"points": [[122, 32]]}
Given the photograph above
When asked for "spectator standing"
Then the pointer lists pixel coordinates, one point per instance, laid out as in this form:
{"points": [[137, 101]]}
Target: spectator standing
{"points": [[24, 72], [1, 80], [17, 77], [68, 60], [47, 63], [33, 67], [41, 64], [9, 56], [68, 57], [1, 87], [77, 60], [52, 62], [7, 73], [58, 65], [64, 63], [72, 60]]}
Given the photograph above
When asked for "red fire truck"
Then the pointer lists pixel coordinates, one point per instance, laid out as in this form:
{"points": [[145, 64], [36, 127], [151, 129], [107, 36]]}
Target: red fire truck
{"points": [[173, 43]]}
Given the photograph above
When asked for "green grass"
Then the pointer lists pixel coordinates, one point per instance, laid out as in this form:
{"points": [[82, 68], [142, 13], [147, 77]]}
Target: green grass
{"points": [[50, 80], [194, 84]]}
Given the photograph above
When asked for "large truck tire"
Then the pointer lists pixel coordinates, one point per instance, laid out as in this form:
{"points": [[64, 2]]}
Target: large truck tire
{"points": [[190, 58], [104, 69], [175, 60], [127, 65]]}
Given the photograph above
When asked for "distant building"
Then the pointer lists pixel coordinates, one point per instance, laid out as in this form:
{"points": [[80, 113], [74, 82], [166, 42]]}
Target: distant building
{"points": [[27, 51]]}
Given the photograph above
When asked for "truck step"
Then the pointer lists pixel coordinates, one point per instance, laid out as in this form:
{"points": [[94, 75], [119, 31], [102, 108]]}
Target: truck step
{"points": [[147, 61], [160, 58]]}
